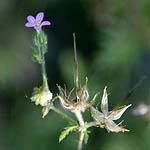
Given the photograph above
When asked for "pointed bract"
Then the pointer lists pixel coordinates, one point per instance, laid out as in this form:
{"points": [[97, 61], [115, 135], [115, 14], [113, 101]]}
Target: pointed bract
{"points": [[80, 103], [115, 115], [98, 116], [106, 118], [104, 103], [111, 126]]}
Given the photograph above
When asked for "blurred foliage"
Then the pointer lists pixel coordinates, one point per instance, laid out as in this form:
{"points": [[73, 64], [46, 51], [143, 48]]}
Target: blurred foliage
{"points": [[113, 50]]}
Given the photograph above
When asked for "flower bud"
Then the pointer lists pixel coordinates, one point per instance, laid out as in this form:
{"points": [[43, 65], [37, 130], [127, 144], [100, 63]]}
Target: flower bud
{"points": [[45, 111], [40, 38]]}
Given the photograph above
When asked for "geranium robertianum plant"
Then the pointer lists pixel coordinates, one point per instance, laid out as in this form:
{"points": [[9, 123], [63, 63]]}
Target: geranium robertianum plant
{"points": [[81, 101]]}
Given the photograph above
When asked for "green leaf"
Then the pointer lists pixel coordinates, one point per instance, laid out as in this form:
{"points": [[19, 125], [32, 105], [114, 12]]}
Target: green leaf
{"points": [[34, 50], [66, 131], [36, 58], [71, 123], [86, 136], [40, 38], [44, 48]]}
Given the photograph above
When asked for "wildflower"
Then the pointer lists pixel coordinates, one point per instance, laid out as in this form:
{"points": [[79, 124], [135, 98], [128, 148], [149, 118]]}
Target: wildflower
{"points": [[37, 21], [106, 118], [80, 103], [41, 96]]}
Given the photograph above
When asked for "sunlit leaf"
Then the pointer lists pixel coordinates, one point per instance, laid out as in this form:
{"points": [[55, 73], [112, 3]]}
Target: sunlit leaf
{"points": [[86, 136], [66, 131]]}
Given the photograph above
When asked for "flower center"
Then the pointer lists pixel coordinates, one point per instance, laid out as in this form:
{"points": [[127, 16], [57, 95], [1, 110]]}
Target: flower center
{"points": [[37, 24]]}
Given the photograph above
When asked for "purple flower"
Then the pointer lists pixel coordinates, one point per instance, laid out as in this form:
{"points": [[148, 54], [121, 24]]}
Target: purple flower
{"points": [[37, 21]]}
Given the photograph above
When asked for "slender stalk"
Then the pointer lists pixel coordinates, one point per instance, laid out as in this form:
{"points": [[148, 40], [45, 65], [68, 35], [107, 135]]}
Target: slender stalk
{"points": [[43, 66], [52, 107], [79, 117], [75, 65], [81, 140], [91, 124], [82, 128]]}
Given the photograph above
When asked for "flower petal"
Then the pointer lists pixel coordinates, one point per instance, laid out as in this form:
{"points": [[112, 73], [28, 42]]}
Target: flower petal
{"points": [[39, 17], [31, 19], [28, 24], [104, 103], [37, 28], [46, 23], [117, 114]]}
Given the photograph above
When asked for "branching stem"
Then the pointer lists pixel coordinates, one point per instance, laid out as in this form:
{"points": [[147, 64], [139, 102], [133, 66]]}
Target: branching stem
{"points": [[91, 124], [81, 138], [52, 107], [82, 128]]}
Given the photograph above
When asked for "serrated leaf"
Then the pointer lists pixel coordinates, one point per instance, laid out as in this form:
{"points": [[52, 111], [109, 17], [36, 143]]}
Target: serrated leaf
{"points": [[66, 131], [86, 136]]}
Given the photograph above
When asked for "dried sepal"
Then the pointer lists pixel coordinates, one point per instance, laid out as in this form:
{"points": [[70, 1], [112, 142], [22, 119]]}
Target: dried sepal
{"points": [[83, 94], [98, 116], [115, 115], [104, 103], [106, 118], [80, 103], [63, 99], [113, 127]]}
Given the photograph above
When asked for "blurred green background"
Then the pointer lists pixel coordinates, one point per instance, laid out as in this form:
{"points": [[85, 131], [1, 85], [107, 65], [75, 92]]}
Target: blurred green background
{"points": [[113, 42]]}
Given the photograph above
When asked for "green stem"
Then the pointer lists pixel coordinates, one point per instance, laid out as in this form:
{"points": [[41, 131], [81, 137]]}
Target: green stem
{"points": [[91, 124], [63, 114], [81, 140], [43, 66], [82, 128], [79, 117]]}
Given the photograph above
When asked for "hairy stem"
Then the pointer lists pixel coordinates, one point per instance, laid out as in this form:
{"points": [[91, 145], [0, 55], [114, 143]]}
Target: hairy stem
{"points": [[43, 65]]}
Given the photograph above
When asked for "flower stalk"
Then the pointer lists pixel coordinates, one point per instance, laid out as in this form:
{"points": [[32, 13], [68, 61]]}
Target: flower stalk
{"points": [[43, 67], [81, 138], [91, 124], [64, 115], [82, 128]]}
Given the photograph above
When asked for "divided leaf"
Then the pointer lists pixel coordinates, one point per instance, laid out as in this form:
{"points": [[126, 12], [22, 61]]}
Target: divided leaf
{"points": [[35, 55], [66, 131], [86, 136]]}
